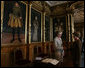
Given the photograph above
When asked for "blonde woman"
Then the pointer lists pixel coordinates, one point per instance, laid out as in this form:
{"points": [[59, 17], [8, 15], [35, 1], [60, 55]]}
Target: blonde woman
{"points": [[59, 52]]}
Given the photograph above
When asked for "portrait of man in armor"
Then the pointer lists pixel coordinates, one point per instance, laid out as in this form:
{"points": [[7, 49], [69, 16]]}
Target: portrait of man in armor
{"points": [[14, 16]]}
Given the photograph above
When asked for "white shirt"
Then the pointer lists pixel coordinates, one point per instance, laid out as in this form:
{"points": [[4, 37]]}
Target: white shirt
{"points": [[58, 42]]}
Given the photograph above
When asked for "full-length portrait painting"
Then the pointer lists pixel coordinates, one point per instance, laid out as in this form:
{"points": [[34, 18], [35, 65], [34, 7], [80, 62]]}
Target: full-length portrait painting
{"points": [[35, 26], [47, 28], [14, 22], [59, 24]]}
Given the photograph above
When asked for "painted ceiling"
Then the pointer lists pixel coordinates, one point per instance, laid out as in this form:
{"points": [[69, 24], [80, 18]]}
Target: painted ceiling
{"points": [[78, 9], [79, 12], [53, 3]]}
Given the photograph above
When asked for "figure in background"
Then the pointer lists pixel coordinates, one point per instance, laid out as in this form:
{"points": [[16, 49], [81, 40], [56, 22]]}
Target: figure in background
{"points": [[82, 45], [15, 21], [82, 40], [59, 51], [35, 32], [76, 49]]}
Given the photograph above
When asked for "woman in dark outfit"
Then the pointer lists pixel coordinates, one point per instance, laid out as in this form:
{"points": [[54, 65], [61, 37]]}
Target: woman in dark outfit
{"points": [[76, 50]]}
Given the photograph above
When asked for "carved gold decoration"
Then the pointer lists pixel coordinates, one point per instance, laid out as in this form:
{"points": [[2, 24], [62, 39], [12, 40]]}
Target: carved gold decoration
{"points": [[37, 5]]}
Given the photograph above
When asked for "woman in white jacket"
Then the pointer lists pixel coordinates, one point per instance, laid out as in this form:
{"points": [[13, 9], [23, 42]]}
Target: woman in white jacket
{"points": [[59, 52]]}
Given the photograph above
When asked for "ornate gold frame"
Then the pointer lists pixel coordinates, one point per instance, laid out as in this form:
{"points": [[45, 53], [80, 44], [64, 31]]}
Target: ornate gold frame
{"points": [[2, 13], [30, 26]]}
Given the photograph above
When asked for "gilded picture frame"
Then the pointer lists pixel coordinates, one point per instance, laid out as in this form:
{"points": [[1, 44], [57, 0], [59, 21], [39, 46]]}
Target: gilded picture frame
{"points": [[14, 22], [35, 26]]}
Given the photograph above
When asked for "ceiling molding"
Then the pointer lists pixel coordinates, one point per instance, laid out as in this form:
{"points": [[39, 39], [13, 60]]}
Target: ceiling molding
{"points": [[54, 3], [78, 9]]}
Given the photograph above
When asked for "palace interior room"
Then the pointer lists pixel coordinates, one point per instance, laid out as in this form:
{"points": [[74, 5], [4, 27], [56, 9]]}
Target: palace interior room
{"points": [[34, 42]]}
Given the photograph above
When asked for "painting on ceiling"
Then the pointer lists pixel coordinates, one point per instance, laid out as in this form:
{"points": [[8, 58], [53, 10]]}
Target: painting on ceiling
{"points": [[14, 15], [35, 26], [53, 3]]}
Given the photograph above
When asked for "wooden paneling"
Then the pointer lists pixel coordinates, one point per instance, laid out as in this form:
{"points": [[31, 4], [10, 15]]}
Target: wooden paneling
{"points": [[6, 51], [5, 60], [32, 52], [45, 49]]}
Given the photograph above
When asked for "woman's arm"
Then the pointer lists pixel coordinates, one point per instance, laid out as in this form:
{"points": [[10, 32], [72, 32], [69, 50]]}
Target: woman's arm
{"points": [[56, 45]]}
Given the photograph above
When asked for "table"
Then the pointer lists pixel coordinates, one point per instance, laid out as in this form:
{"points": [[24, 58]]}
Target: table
{"points": [[38, 63]]}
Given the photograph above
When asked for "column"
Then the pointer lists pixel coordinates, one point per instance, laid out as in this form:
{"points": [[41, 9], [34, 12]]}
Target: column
{"points": [[43, 26], [72, 26], [69, 37], [2, 12], [26, 24], [29, 35], [43, 31], [70, 23], [30, 5]]}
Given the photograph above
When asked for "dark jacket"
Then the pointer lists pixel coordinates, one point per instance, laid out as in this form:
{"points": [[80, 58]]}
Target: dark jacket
{"points": [[76, 51]]}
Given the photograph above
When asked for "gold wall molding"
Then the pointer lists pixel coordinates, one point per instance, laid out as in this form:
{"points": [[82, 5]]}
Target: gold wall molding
{"points": [[41, 27], [30, 5], [70, 22], [25, 2], [38, 6], [26, 23], [2, 13], [69, 27], [44, 24], [72, 25], [47, 10]]}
